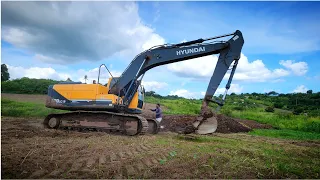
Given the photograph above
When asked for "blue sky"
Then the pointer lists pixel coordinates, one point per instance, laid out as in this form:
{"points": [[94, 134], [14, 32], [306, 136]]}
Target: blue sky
{"points": [[281, 50]]}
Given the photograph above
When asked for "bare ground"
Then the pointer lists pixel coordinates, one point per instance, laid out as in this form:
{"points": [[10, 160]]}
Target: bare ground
{"points": [[29, 151]]}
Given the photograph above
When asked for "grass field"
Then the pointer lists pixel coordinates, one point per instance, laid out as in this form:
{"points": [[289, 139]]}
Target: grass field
{"points": [[279, 119], [29, 151]]}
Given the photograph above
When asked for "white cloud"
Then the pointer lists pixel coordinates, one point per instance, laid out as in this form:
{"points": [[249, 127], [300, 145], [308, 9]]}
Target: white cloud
{"points": [[298, 68], [66, 32], [154, 40], [185, 93], [300, 89], [92, 74], [47, 59], [234, 88], [50, 73], [203, 67], [36, 72], [195, 68], [153, 85]]}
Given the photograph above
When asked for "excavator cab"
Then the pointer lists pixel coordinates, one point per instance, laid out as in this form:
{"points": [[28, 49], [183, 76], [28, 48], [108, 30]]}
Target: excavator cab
{"points": [[91, 97]]}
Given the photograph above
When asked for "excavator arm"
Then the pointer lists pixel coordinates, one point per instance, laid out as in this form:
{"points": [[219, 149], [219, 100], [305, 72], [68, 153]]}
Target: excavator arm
{"points": [[229, 51]]}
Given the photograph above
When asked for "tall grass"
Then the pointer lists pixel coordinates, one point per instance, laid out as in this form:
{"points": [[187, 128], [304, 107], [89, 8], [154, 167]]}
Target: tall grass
{"points": [[286, 134], [245, 110], [177, 106], [25, 109], [277, 120]]}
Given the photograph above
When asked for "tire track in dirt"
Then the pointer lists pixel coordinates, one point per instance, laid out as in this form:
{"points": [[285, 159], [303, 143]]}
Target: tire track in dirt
{"points": [[126, 163]]}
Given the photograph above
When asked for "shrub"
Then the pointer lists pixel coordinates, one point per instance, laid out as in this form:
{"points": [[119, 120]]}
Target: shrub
{"points": [[269, 109], [314, 113], [27, 86], [297, 110], [278, 105]]}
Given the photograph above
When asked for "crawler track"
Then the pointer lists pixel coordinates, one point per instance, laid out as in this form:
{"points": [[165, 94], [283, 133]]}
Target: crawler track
{"points": [[109, 122]]}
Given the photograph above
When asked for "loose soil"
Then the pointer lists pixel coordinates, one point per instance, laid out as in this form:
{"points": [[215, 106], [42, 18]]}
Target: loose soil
{"points": [[226, 124], [174, 123], [30, 151]]}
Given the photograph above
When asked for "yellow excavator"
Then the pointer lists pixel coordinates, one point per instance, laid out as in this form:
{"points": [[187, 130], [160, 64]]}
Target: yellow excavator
{"points": [[115, 107]]}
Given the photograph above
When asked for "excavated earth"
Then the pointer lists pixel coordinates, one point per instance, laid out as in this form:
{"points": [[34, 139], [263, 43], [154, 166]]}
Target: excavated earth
{"points": [[226, 124]]}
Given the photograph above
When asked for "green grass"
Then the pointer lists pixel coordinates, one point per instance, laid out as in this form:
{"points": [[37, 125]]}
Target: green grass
{"points": [[241, 156], [279, 119], [286, 134], [25, 109], [179, 106]]}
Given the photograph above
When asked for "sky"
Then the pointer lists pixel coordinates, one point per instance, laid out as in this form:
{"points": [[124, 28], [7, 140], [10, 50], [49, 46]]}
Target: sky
{"points": [[60, 40]]}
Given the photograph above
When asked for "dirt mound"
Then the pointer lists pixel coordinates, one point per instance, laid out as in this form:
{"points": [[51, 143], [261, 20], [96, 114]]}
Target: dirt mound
{"points": [[226, 124], [174, 123], [230, 125], [253, 124]]}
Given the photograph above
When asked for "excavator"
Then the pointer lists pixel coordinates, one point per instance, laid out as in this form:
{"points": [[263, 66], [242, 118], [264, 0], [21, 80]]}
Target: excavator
{"points": [[116, 106]]}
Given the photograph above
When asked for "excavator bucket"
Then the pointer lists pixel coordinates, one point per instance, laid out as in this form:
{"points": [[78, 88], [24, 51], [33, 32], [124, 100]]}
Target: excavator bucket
{"points": [[207, 122], [206, 126]]}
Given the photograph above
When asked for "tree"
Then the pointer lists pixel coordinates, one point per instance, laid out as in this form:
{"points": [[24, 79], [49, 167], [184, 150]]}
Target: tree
{"points": [[85, 78], [269, 109], [309, 91], [272, 93], [69, 80], [297, 110], [278, 104], [4, 73], [150, 93]]}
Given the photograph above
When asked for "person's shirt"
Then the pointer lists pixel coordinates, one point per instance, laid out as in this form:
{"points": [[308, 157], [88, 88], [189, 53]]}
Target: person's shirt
{"points": [[158, 112]]}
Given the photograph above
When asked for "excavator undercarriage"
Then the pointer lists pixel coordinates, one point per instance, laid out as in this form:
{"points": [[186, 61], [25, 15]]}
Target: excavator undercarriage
{"points": [[118, 123]]}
